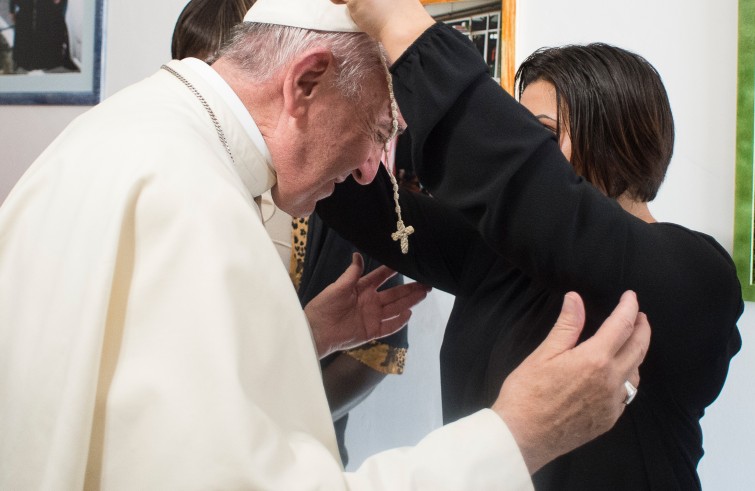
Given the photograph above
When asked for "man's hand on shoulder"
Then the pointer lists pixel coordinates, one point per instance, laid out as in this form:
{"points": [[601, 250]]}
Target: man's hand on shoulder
{"points": [[564, 395]]}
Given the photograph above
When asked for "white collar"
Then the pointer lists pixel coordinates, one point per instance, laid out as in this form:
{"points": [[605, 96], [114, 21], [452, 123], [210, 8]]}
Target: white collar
{"points": [[234, 103]]}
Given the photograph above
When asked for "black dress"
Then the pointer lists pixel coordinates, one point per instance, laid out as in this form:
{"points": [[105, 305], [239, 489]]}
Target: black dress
{"points": [[510, 229]]}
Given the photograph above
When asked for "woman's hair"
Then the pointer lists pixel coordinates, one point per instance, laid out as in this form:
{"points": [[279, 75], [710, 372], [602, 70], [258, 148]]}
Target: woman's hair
{"points": [[205, 25], [616, 111], [263, 49]]}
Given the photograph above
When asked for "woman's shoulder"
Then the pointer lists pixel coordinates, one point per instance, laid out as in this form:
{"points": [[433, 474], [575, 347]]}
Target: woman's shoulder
{"points": [[692, 245], [686, 269]]}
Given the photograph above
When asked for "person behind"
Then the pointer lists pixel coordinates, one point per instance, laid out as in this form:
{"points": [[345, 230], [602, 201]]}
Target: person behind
{"points": [[203, 26], [313, 252], [150, 337], [511, 228], [348, 376]]}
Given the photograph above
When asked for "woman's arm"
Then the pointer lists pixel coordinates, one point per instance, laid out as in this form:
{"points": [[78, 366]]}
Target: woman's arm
{"points": [[480, 152], [438, 249]]}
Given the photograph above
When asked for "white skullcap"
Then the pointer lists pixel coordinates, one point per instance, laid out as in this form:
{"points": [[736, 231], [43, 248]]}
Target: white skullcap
{"points": [[319, 15]]}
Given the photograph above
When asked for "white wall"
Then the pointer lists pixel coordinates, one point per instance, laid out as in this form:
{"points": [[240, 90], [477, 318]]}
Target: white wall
{"points": [[692, 43]]}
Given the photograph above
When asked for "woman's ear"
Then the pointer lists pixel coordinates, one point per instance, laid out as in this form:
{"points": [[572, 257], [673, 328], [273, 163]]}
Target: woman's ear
{"points": [[306, 79]]}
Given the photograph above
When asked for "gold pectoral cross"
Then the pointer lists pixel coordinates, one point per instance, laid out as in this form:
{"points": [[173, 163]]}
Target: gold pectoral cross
{"points": [[402, 233]]}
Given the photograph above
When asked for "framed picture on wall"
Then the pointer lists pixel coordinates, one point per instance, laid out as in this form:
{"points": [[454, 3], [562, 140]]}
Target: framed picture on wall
{"points": [[744, 220], [51, 51], [490, 25]]}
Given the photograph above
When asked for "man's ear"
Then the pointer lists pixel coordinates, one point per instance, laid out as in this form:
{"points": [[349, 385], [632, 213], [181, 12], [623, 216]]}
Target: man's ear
{"points": [[305, 80]]}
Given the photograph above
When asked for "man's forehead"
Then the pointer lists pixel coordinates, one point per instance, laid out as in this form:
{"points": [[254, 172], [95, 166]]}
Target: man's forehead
{"points": [[319, 15], [377, 102]]}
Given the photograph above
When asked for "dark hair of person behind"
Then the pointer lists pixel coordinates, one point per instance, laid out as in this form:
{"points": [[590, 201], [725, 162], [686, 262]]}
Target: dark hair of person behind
{"points": [[617, 113], [204, 25]]}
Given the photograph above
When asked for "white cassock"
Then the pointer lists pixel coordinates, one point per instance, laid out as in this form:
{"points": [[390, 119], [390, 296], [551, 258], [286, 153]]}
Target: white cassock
{"points": [[150, 337]]}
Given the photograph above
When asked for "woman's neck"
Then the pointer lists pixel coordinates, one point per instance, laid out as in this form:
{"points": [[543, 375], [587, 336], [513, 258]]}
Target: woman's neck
{"points": [[637, 208]]}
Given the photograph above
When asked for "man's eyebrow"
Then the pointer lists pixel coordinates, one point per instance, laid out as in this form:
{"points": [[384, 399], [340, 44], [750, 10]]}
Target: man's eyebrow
{"points": [[540, 116], [387, 126]]}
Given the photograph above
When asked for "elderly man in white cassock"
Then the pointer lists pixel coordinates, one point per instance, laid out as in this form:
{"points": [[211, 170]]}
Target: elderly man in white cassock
{"points": [[150, 337]]}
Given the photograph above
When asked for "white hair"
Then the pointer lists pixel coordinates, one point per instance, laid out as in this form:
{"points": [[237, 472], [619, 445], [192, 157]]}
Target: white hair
{"points": [[263, 49]]}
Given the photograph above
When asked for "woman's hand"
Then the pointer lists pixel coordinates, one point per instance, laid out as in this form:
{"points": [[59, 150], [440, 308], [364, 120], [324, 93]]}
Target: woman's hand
{"points": [[351, 312], [395, 23]]}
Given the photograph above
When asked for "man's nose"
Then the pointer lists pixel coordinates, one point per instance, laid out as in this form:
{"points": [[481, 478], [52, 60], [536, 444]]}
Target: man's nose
{"points": [[366, 172]]}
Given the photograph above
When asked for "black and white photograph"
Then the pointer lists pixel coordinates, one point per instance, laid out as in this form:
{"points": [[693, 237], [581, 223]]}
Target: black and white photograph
{"points": [[50, 51]]}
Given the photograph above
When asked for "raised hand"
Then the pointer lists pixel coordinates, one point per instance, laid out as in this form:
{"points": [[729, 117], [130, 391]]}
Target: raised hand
{"points": [[562, 395], [395, 23], [352, 311]]}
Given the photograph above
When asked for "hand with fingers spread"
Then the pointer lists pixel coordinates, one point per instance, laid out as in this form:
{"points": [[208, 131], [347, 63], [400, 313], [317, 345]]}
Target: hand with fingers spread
{"points": [[351, 311], [564, 395]]}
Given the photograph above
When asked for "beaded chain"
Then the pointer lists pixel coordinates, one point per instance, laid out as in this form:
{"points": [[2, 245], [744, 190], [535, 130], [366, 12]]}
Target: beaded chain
{"points": [[402, 232], [215, 122]]}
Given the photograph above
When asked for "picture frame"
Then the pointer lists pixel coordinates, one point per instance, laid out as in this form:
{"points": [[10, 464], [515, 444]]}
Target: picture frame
{"points": [[507, 29], [36, 70], [744, 225]]}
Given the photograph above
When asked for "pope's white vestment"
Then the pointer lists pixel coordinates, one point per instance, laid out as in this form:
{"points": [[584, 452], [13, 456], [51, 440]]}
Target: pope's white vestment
{"points": [[150, 337]]}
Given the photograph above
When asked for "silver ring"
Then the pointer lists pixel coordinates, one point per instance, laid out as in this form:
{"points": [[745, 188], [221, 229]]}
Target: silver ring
{"points": [[631, 392]]}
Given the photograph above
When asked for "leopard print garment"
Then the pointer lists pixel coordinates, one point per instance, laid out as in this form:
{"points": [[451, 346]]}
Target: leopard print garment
{"points": [[379, 356]]}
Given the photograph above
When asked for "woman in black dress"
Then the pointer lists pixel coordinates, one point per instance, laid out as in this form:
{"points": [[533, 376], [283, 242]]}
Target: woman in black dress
{"points": [[512, 227]]}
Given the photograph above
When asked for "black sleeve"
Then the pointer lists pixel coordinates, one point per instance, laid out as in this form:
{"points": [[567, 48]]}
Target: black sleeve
{"points": [[480, 152], [365, 215]]}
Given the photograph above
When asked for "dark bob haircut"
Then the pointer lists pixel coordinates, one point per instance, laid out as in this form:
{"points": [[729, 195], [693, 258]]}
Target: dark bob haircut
{"points": [[616, 111], [204, 25]]}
